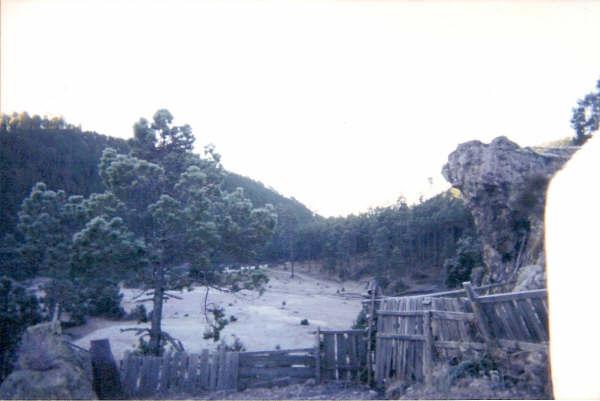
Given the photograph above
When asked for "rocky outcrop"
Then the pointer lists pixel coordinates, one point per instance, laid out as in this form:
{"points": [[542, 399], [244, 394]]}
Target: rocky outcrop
{"points": [[47, 368], [504, 186]]}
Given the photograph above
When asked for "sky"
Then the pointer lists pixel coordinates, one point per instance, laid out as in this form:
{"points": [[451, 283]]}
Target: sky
{"points": [[344, 105]]}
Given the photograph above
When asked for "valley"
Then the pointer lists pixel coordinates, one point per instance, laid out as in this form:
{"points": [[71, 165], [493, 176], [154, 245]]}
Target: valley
{"points": [[264, 322]]}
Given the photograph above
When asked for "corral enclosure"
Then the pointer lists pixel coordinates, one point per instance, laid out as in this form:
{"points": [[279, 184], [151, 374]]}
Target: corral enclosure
{"points": [[412, 334]]}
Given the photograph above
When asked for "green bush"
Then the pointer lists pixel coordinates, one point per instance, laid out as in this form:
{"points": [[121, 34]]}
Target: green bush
{"points": [[18, 310], [140, 314], [458, 268], [84, 298]]}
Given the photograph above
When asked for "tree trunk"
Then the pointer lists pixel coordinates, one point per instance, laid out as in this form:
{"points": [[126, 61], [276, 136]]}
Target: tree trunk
{"points": [[157, 305], [292, 258]]}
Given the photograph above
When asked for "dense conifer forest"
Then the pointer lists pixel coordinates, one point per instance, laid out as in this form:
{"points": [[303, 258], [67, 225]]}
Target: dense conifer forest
{"points": [[387, 241]]}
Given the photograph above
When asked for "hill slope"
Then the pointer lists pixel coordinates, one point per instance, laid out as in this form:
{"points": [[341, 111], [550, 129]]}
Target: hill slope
{"points": [[68, 159]]}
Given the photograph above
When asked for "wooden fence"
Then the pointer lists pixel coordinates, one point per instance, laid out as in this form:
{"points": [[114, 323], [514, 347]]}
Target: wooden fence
{"points": [[260, 369], [191, 374], [178, 373], [342, 356], [413, 333], [517, 318], [407, 326]]}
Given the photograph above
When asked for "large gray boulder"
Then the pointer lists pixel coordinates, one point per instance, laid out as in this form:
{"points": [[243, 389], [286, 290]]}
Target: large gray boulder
{"points": [[504, 186], [47, 368]]}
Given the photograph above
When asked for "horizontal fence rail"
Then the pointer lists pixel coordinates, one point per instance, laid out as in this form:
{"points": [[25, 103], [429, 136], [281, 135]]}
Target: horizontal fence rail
{"points": [[446, 294], [266, 368]]}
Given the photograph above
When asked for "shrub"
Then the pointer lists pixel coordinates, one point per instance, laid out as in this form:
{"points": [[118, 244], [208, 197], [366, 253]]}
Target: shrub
{"points": [[361, 320], [103, 299], [304, 322], [458, 268], [237, 345], [18, 310], [217, 325], [81, 298], [140, 314]]}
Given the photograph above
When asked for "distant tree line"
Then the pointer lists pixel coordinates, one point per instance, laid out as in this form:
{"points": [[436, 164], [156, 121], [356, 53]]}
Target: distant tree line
{"points": [[23, 121], [388, 242]]}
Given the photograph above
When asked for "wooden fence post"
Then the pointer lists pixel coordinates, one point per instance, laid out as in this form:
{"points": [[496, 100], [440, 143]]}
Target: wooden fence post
{"points": [[481, 321], [107, 381], [370, 336], [428, 349], [318, 356]]}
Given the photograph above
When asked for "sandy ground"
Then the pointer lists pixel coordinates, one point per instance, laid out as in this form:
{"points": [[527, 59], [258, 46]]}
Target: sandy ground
{"points": [[328, 391], [264, 322]]}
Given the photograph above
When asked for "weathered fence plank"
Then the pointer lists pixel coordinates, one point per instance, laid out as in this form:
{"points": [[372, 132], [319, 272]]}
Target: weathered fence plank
{"points": [[428, 349], [318, 356], [145, 387], [130, 373], [341, 356], [277, 361], [235, 363], [107, 380], [329, 356], [272, 373], [541, 311], [482, 322], [404, 337], [203, 380], [353, 360], [192, 376]]}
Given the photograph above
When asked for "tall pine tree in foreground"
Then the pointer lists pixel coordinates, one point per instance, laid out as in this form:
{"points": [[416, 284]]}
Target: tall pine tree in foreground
{"points": [[164, 209], [175, 203]]}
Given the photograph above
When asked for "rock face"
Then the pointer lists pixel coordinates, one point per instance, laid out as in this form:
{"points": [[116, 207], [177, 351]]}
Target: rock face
{"points": [[47, 368], [504, 186]]}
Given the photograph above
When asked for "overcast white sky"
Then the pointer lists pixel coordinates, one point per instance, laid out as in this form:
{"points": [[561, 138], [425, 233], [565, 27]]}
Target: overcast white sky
{"points": [[341, 104]]}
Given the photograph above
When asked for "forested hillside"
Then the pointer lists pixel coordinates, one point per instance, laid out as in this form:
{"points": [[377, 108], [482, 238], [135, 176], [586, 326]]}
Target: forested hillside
{"points": [[64, 157], [390, 242]]}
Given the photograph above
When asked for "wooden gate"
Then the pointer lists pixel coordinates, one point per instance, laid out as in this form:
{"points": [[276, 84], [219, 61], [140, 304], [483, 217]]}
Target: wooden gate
{"points": [[280, 367], [412, 331], [342, 356]]}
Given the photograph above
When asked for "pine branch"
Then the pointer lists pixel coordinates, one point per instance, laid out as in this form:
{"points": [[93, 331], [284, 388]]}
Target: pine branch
{"points": [[145, 300], [143, 292], [178, 345], [138, 331]]}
